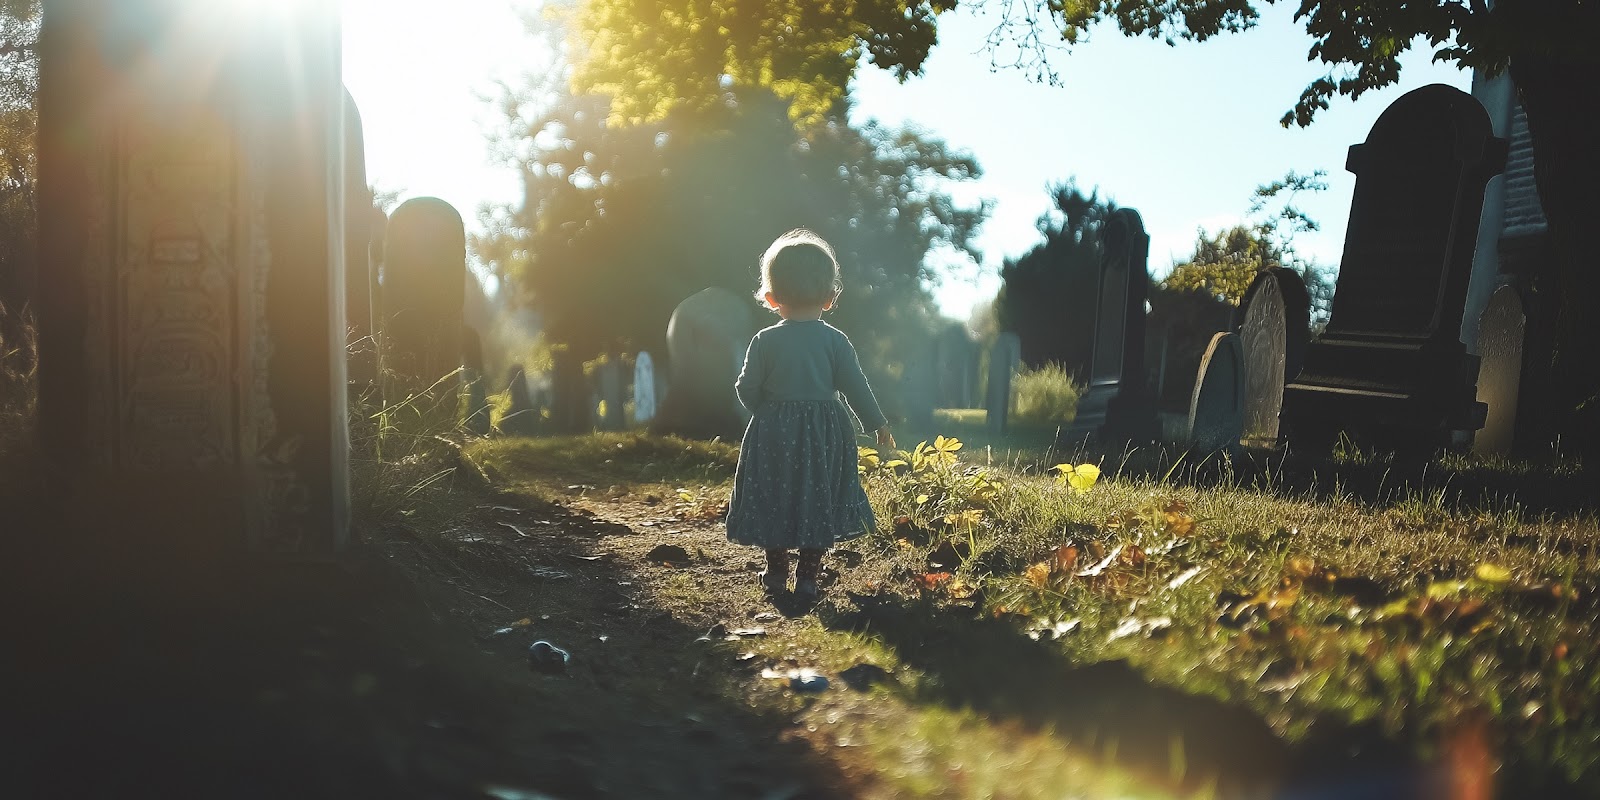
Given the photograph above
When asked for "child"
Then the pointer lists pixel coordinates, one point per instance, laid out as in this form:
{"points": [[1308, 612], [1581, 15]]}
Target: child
{"points": [[796, 485]]}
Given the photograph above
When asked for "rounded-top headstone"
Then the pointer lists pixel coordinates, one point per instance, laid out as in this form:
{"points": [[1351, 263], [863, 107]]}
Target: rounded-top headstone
{"points": [[706, 341], [424, 286], [1274, 331], [1216, 409], [1500, 336]]}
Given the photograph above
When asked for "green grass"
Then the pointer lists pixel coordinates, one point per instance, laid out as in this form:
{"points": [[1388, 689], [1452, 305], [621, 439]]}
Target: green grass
{"points": [[602, 460]]}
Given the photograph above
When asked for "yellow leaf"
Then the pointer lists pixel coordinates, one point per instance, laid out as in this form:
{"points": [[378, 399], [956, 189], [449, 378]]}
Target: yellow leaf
{"points": [[922, 499], [1082, 478], [1299, 567], [1492, 573]]}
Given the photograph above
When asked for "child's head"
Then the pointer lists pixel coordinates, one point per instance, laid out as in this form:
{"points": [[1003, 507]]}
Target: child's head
{"points": [[799, 270]]}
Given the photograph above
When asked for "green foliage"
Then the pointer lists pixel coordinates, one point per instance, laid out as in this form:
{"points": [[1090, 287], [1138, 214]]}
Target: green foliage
{"points": [[1224, 265], [19, 86], [1046, 396], [660, 58], [1049, 296]]}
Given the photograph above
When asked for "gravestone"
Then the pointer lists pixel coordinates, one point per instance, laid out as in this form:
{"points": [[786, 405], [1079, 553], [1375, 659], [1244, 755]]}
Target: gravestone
{"points": [[1501, 332], [424, 292], [192, 373], [521, 417], [918, 387], [1274, 330], [570, 408], [1390, 369], [644, 389], [363, 352], [475, 396], [1004, 358], [707, 337], [956, 357], [608, 380], [1216, 409], [1118, 405]]}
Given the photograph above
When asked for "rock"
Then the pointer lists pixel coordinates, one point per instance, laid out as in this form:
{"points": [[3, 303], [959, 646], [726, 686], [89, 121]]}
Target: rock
{"points": [[668, 554], [862, 676], [547, 658], [808, 683], [767, 616]]}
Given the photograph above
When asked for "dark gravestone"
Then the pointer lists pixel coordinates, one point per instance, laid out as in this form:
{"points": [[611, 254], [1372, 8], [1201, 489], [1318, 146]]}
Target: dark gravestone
{"points": [[1390, 369], [570, 408], [191, 329], [956, 357], [475, 396], [644, 389], [1501, 331], [918, 387], [521, 417], [1118, 405], [1004, 358], [706, 342], [1274, 329], [1216, 409], [424, 292], [363, 351], [608, 384]]}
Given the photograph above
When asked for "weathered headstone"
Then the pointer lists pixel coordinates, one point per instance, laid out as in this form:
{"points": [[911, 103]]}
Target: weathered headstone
{"points": [[1390, 369], [1500, 337], [424, 291], [956, 357], [706, 342], [521, 417], [475, 396], [571, 409], [192, 376], [608, 385], [1118, 404], [1004, 358], [644, 389], [363, 351], [918, 386], [1216, 409], [1274, 330]]}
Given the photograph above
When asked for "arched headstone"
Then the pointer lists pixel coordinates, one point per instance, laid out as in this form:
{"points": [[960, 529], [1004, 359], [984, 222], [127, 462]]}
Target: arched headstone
{"points": [[644, 389], [1273, 332], [706, 342], [1500, 337], [424, 290], [1118, 374], [1216, 409]]}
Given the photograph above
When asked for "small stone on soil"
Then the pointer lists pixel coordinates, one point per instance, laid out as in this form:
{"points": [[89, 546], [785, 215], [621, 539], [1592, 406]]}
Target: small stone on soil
{"points": [[668, 554], [546, 657]]}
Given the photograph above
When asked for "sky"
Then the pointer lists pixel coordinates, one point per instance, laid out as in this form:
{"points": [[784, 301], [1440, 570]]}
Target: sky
{"points": [[1183, 134]]}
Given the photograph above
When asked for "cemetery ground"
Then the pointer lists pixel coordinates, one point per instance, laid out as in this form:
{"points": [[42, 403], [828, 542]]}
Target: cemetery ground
{"points": [[1280, 628]]}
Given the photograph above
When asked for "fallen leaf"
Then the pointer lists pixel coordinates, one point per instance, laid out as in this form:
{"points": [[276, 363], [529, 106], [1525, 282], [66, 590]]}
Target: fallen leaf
{"points": [[1038, 574], [1065, 558], [1492, 573], [1184, 577], [932, 580]]}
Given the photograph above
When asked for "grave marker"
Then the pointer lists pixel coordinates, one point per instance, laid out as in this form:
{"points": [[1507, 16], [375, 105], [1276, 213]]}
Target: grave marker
{"points": [[644, 389], [1501, 331], [424, 291], [706, 342], [1274, 331], [1004, 358], [1216, 409]]}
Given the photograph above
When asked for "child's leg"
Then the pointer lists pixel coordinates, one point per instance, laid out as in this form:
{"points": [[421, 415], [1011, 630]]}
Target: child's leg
{"points": [[809, 567], [776, 578]]}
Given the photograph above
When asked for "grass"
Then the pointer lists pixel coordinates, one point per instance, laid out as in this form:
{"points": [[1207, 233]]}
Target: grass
{"points": [[1414, 614]]}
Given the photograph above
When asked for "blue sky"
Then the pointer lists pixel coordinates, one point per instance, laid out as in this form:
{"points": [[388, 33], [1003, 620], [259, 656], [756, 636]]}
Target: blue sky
{"points": [[1183, 134]]}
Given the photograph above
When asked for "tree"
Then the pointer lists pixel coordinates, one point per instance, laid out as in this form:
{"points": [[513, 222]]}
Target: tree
{"points": [[1224, 265], [654, 59], [1547, 46], [1049, 296], [19, 86]]}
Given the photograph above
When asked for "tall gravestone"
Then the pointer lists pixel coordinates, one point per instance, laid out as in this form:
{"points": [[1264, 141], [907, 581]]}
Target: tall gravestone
{"points": [[1118, 404], [644, 389], [363, 352], [521, 417], [570, 408], [424, 292], [918, 387], [1004, 359], [1274, 330], [474, 395], [1501, 331], [1390, 368], [956, 357], [707, 337], [1216, 408], [608, 384], [192, 376]]}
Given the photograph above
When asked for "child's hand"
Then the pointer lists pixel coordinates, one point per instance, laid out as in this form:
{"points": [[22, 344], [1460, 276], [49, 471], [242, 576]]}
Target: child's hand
{"points": [[885, 439]]}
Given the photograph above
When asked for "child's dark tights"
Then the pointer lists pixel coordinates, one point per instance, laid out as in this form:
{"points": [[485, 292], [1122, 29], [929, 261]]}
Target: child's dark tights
{"points": [[809, 566]]}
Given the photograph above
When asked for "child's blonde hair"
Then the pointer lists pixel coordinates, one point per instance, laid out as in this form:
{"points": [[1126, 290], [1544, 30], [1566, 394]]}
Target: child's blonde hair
{"points": [[800, 269]]}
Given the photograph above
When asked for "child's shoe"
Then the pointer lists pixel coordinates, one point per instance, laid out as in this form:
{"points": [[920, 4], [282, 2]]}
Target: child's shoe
{"points": [[805, 589], [776, 577]]}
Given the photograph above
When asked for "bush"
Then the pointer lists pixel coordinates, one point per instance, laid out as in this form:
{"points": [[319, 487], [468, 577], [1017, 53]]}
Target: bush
{"points": [[1044, 396]]}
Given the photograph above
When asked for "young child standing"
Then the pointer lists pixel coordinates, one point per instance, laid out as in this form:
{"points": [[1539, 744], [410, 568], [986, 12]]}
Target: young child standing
{"points": [[797, 486]]}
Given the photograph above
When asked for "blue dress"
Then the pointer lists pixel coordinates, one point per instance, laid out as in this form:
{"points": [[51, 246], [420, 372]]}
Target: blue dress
{"points": [[797, 485]]}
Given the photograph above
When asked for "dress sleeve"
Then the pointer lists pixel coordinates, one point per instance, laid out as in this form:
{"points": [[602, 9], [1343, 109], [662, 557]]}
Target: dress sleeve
{"points": [[749, 385], [852, 383]]}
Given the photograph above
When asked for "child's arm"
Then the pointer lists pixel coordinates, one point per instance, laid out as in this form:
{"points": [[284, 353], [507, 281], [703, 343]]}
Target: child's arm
{"points": [[749, 384], [852, 383]]}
